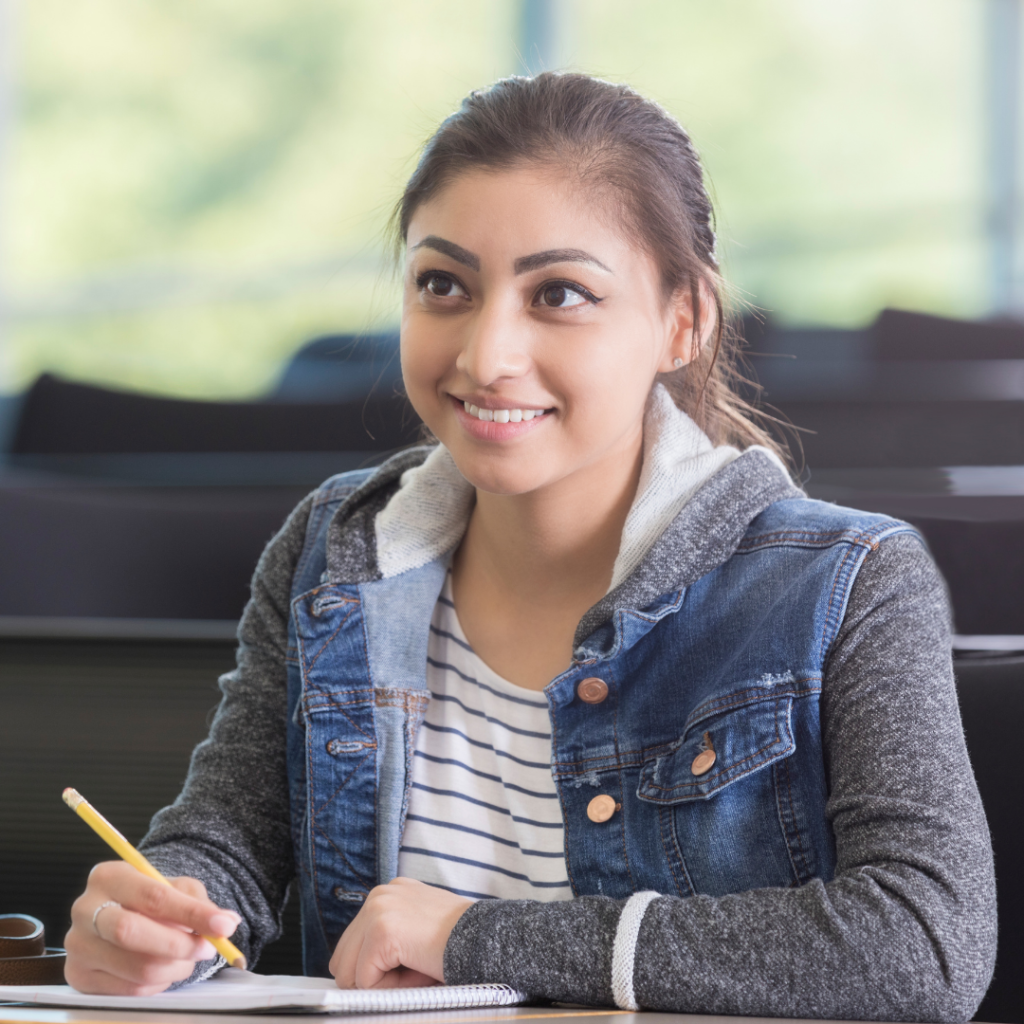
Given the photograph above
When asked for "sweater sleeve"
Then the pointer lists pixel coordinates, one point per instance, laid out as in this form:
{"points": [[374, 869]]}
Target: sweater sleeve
{"points": [[230, 826], [906, 930]]}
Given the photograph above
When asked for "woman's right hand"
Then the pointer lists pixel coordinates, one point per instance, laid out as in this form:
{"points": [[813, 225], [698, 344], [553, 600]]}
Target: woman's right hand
{"points": [[146, 943]]}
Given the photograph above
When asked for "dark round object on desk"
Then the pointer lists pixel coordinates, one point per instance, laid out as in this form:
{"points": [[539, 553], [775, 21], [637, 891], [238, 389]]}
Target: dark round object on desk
{"points": [[25, 959]]}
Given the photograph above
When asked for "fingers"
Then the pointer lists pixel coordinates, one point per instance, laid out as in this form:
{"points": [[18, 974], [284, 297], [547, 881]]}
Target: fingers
{"points": [[100, 984], [379, 959], [170, 903], [404, 977], [95, 965], [119, 970], [398, 937], [133, 935], [343, 962], [136, 933]]}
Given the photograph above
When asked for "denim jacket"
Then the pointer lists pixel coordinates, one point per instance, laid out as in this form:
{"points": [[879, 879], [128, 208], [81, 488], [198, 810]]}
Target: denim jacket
{"points": [[708, 742]]}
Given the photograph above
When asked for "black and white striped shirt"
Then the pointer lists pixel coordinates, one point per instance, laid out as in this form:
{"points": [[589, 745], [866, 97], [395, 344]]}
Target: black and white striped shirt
{"points": [[484, 818]]}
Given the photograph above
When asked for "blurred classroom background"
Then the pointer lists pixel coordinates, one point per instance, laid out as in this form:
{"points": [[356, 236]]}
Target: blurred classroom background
{"points": [[198, 324], [191, 191]]}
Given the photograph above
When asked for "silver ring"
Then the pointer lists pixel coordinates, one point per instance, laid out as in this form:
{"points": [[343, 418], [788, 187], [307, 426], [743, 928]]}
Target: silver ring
{"points": [[96, 913]]}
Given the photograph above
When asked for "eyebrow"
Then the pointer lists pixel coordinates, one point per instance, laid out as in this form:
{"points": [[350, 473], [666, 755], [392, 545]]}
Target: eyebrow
{"points": [[522, 265], [456, 252], [543, 259]]}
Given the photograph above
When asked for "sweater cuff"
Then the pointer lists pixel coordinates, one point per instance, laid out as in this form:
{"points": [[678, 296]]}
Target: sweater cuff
{"points": [[624, 949], [559, 951], [203, 970]]}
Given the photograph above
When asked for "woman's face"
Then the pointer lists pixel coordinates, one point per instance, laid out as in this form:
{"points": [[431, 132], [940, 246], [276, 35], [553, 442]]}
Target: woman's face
{"points": [[532, 328]]}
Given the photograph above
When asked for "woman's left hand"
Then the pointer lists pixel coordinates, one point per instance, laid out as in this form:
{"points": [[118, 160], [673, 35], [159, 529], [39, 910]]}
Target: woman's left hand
{"points": [[399, 936]]}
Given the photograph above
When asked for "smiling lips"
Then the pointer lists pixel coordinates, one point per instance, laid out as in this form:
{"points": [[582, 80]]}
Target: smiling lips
{"points": [[502, 415]]}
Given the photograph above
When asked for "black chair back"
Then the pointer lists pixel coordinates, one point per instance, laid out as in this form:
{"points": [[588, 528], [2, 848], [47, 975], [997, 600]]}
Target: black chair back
{"points": [[992, 705], [61, 417]]}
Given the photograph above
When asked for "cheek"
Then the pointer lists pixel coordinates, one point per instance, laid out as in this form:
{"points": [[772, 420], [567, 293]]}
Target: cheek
{"points": [[610, 380], [428, 359], [424, 359]]}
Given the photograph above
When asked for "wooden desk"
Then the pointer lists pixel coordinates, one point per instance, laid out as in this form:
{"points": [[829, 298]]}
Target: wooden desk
{"points": [[13, 1014]]}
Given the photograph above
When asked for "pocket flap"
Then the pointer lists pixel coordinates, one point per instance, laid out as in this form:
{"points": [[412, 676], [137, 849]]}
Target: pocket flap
{"points": [[745, 740]]}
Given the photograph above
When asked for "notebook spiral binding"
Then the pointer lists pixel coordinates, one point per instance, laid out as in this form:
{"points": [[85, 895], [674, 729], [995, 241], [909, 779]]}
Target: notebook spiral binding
{"points": [[439, 997]]}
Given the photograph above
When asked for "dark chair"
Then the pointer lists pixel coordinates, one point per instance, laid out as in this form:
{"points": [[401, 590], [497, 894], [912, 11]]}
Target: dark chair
{"points": [[992, 704], [983, 563], [340, 368], [865, 433], [123, 552], [118, 721], [898, 334], [214, 481], [913, 390], [60, 417]]}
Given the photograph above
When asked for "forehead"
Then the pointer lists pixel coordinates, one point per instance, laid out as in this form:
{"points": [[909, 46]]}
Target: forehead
{"points": [[528, 208]]}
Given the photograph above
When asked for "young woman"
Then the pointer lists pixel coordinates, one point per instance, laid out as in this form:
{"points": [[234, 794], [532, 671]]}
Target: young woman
{"points": [[587, 698]]}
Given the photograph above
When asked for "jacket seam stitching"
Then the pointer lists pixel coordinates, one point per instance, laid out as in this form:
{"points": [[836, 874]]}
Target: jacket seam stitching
{"points": [[742, 699], [622, 793], [326, 643], [665, 822], [829, 626], [864, 538], [561, 802], [782, 765]]}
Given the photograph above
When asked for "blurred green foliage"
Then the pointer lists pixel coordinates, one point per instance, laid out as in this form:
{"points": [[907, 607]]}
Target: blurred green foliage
{"points": [[193, 189], [843, 138]]}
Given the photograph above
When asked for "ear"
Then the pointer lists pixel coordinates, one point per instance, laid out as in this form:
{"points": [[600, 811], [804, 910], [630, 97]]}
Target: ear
{"points": [[680, 343]]}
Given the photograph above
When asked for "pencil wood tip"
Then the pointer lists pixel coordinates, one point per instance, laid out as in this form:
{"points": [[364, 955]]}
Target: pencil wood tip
{"points": [[72, 798], [240, 963]]}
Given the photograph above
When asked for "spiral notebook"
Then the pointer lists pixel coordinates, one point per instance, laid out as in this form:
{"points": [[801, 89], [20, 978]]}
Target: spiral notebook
{"points": [[233, 990]]}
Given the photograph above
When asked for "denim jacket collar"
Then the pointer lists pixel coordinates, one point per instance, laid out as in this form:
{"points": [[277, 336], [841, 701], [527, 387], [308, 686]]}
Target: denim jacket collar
{"points": [[702, 536], [693, 504]]}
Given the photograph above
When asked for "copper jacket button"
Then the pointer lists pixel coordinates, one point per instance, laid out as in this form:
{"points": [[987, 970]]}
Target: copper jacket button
{"points": [[601, 808], [703, 762], [592, 691]]}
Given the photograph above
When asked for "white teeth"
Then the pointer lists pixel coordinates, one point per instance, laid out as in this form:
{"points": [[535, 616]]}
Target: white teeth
{"points": [[502, 415]]}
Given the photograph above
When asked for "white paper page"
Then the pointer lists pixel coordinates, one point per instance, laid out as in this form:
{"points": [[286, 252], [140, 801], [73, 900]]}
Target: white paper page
{"points": [[234, 990]]}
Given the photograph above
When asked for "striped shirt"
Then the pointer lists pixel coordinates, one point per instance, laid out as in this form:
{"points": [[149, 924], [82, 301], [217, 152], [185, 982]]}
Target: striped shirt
{"points": [[484, 819]]}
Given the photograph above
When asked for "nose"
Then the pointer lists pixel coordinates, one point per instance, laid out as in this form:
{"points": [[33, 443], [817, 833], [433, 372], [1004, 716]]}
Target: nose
{"points": [[496, 346]]}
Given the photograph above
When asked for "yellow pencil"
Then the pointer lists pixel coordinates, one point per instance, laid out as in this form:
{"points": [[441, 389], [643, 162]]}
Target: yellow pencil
{"points": [[127, 852]]}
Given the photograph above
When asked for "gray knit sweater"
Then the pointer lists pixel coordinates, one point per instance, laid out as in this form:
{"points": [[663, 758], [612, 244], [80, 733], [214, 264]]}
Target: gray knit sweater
{"points": [[905, 931]]}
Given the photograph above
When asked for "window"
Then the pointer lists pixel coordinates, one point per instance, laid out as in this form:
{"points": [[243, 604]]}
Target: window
{"points": [[190, 191]]}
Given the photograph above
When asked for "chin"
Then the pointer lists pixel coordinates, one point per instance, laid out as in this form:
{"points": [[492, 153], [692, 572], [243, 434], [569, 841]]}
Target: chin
{"points": [[499, 476]]}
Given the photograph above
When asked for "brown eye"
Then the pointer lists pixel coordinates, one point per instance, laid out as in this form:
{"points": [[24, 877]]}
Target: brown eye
{"points": [[562, 296], [443, 286]]}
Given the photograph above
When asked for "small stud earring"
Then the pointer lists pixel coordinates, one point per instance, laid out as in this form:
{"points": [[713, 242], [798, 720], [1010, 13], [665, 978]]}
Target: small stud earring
{"points": [[678, 362]]}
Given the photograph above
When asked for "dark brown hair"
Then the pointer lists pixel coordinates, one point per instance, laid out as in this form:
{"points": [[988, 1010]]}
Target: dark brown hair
{"points": [[627, 147]]}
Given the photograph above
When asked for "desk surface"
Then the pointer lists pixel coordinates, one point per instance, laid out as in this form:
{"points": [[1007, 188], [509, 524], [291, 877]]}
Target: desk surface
{"points": [[14, 1014]]}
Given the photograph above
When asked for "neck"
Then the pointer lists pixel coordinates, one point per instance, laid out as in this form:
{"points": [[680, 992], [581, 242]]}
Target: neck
{"points": [[560, 542]]}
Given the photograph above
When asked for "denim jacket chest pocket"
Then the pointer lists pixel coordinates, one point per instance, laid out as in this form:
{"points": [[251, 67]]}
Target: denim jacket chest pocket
{"points": [[740, 796]]}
